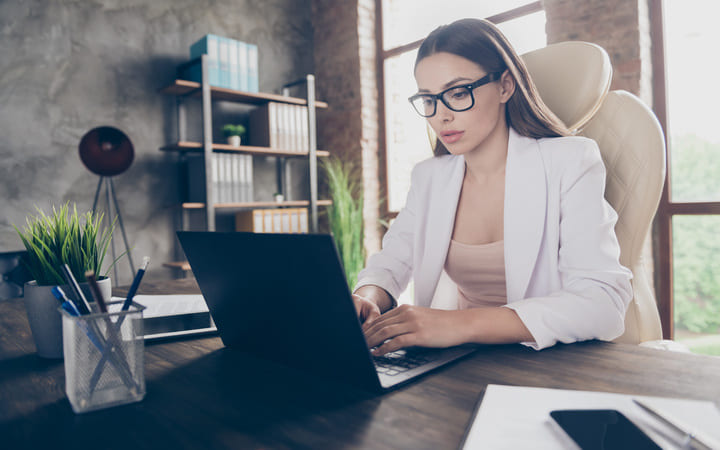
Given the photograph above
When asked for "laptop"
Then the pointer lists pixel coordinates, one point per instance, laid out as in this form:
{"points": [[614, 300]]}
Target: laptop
{"points": [[284, 297]]}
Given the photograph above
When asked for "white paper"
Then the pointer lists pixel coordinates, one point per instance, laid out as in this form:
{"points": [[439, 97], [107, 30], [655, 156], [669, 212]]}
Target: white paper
{"points": [[170, 305], [512, 417]]}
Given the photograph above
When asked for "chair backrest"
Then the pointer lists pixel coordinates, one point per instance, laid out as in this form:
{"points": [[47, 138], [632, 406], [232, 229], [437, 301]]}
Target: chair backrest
{"points": [[573, 79]]}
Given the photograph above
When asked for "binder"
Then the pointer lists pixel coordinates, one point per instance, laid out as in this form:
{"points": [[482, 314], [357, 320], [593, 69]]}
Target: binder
{"points": [[208, 45], [243, 71], [253, 75]]}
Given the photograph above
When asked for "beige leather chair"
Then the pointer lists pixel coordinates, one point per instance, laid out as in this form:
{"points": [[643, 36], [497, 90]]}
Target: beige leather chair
{"points": [[573, 79]]}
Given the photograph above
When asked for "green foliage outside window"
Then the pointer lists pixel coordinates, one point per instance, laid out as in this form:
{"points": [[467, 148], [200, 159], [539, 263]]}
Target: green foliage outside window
{"points": [[696, 239]]}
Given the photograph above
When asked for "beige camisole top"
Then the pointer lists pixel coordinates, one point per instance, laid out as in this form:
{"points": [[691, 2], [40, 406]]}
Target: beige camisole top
{"points": [[479, 272]]}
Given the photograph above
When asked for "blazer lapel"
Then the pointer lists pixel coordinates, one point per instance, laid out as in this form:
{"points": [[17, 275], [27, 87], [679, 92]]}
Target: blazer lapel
{"points": [[525, 206], [442, 205]]}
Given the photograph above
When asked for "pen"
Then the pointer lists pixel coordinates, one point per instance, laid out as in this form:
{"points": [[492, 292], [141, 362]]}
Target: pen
{"points": [[70, 307], [693, 439], [66, 303], [82, 305], [95, 290], [135, 284]]}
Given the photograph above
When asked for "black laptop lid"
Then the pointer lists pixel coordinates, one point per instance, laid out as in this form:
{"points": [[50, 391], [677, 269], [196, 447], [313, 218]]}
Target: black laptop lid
{"points": [[282, 297]]}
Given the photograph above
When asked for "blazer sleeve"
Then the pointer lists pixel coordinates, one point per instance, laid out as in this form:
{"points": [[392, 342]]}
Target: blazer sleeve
{"points": [[392, 267], [595, 288]]}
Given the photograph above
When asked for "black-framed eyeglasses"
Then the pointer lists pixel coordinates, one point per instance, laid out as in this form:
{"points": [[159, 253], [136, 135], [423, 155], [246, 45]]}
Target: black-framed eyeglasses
{"points": [[456, 98]]}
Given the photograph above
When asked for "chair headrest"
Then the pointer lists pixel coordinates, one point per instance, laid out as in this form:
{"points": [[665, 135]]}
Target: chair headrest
{"points": [[572, 77]]}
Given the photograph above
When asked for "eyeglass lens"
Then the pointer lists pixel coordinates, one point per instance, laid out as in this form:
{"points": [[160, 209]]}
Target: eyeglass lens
{"points": [[457, 99]]}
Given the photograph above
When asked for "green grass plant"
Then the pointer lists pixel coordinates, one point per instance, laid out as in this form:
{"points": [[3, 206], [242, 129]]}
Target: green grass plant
{"points": [[345, 215], [64, 238]]}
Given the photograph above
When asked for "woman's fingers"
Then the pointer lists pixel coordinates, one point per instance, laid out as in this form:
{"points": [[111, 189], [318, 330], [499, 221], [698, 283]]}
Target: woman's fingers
{"points": [[366, 310], [402, 341], [393, 331]]}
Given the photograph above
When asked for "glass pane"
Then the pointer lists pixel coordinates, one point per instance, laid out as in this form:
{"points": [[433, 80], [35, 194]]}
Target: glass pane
{"points": [[526, 33], [693, 99], [406, 132], [696, 282], [406, 21]]}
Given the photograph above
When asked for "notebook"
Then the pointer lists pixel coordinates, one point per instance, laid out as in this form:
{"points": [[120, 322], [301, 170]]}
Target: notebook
{"points": [[284, 297]]}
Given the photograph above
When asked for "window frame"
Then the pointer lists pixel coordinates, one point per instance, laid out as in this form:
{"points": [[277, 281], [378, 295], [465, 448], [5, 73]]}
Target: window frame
{"points": [[667, 208]]}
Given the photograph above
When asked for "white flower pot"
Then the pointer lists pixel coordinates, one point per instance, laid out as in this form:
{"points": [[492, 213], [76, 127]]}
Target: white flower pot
{"points": [[44, 318], [234, 141]]}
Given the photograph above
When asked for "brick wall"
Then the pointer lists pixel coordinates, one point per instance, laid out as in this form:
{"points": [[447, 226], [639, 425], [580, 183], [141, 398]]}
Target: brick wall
{"points": [[345, 66], [619, 26]]}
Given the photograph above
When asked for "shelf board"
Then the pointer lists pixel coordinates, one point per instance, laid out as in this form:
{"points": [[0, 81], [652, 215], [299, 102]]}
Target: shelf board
{"points": [[182, 265], [197, 147], [193, 88], [293, 203]]}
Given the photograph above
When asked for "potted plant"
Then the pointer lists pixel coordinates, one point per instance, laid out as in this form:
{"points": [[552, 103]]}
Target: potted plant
{"points": [[233, 133], [51, 241], [345, 215]]}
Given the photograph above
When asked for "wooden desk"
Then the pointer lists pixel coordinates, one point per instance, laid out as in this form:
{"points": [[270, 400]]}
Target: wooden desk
{"points": [[200, 395]]}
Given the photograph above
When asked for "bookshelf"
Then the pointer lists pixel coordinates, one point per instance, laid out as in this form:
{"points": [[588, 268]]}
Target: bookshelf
{"points": [[184, 89]]}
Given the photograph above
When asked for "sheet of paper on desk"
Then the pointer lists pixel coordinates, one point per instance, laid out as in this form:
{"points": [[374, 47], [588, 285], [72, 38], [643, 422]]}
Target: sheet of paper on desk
{"points": [[174, 315], [171, 305], [515, 417]]}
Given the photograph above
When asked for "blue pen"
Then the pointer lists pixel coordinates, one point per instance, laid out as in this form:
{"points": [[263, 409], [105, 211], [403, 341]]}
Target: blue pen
{"points": [[70, 307], [66, 303], [135, 284]]}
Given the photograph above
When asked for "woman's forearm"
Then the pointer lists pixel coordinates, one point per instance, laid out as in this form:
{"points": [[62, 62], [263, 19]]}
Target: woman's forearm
{"points": [[494, 326]]}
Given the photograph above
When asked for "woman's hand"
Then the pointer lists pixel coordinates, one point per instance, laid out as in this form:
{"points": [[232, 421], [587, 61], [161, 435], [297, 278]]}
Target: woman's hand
{"points": [[371, 301], [407, 326], [367, 310]]}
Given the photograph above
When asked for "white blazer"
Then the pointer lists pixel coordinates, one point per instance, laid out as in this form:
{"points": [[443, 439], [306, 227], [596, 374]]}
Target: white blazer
{"points": [[562, 269]]}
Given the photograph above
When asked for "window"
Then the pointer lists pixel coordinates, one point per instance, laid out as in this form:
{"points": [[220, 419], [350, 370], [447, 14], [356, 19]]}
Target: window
{"points": [[689, 293], [404, 24]]}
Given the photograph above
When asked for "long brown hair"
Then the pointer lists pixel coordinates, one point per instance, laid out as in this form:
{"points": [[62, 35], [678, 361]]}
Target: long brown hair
{"points": [[484, 44]]}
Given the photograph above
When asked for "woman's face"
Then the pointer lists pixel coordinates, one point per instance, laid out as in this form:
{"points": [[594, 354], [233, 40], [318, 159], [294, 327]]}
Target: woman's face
{"points": [[465, 131]]}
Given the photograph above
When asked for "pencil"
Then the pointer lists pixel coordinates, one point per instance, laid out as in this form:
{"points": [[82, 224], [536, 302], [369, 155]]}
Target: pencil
{"points": [[95, 290]]}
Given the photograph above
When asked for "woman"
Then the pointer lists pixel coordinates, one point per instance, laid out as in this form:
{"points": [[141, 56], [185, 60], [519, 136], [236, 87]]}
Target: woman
{"points": [[511, 207]]}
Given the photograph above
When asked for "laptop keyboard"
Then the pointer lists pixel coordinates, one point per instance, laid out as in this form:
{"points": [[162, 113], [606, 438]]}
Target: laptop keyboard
{"points": [[397, 362]]}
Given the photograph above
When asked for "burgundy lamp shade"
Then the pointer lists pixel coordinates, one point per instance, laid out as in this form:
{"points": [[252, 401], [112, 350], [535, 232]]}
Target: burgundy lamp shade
{"points": [[106, 151]]}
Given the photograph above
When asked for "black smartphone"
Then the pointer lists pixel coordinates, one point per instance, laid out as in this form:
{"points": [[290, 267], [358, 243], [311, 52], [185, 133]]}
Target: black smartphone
{"points": [[602, 429]]}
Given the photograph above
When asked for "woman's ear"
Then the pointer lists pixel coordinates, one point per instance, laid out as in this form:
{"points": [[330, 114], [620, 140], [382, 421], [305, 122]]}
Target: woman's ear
{"points": [[507, 86]]}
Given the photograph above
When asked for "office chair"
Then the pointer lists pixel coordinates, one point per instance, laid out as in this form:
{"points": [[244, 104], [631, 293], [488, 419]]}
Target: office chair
{"points": [[573, 79]]}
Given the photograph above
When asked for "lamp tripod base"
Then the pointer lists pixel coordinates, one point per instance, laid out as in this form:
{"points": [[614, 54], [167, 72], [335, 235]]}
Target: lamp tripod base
{"points": [[112, 206]]}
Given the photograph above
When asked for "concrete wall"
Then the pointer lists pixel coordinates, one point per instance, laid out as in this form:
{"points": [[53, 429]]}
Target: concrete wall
{"points": [[67, 66]]}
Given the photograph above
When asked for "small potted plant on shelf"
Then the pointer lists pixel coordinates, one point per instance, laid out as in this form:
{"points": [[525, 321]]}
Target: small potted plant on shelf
{"points": [[51, 241], [279, 197], [233, 133]]}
